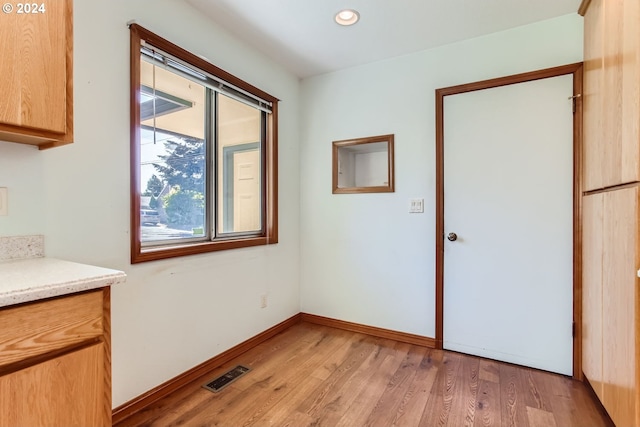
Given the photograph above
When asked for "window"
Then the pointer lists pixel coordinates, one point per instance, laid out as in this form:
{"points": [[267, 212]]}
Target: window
{"points": [[203, 155]]}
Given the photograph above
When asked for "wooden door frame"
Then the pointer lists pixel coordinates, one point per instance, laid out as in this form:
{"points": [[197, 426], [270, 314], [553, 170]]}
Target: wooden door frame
{"points": [[576, 71]]}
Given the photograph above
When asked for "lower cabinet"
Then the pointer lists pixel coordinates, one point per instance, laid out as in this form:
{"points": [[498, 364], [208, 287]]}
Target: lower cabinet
{"points": [[611, 301], [63, 391], [54, 362]]}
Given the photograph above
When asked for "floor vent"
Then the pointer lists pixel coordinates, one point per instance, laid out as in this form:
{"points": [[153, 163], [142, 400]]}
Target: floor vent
{"points": [[225, 379]]}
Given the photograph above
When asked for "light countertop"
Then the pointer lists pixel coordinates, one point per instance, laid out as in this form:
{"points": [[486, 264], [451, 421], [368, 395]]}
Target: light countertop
{"points": [[25, 280]]}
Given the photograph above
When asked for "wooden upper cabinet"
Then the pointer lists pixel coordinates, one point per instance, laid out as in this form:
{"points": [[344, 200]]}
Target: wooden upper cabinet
{"points": [[593, 146], [611, 93], [36, 65]]}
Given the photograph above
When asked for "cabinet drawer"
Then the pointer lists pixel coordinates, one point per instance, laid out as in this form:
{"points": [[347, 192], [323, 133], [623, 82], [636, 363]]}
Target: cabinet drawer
{"points": [[41, 327]]}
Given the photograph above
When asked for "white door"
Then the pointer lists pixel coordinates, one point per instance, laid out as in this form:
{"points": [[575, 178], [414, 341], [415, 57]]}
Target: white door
{"points": [[508, 177], [246, 189]]}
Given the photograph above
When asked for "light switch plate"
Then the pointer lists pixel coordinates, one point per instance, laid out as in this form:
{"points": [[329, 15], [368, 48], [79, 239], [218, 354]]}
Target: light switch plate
{"points": [[416, 206], [4, 201]]}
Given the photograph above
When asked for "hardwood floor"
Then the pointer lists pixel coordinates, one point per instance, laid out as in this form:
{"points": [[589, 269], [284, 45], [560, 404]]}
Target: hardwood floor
{"points": [[313, 375]]}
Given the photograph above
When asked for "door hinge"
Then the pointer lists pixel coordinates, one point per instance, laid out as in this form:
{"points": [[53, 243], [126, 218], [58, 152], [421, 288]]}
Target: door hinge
{"points": [[573, 330]]}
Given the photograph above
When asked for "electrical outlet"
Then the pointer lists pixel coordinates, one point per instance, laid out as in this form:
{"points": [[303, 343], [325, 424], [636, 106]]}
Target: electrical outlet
{"points": [[263, 301], [4, 201]]}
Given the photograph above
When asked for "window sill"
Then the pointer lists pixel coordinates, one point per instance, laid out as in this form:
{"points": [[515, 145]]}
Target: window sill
{"points": [[165, 252]]}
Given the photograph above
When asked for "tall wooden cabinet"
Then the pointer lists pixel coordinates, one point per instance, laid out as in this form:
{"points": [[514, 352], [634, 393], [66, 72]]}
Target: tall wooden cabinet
{"points": [[610, 206], [36, 65]]}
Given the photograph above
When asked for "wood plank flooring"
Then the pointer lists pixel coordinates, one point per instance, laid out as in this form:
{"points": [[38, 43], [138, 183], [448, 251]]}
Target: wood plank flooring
{"points": [[313, 375]]}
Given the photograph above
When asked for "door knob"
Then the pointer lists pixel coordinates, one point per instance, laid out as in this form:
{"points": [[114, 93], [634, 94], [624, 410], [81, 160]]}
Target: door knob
{"points": [[452, 237]]}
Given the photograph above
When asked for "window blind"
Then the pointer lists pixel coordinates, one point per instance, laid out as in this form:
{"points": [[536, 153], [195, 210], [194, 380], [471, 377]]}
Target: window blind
{"points": [[157, 57]]}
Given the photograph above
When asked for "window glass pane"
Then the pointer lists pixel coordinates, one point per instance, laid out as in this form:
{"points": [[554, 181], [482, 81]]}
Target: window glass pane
{"points": [[172, 156], [207, 149], [239, 165]]}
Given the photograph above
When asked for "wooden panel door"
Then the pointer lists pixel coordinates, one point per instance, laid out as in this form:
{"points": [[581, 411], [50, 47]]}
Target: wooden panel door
{"points": [[619, 305], [65, 391], [592, 255]]}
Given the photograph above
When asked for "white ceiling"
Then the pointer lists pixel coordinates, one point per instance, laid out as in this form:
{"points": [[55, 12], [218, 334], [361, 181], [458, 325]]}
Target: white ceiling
{"points": [[302, 35]]}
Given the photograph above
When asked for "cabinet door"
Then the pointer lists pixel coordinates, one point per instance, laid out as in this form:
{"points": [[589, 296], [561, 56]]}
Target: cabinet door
{"points": [[621, 84], [64, 391], [593, 145], [619, 304], [36, 59], [611, 93], [592, 258]]}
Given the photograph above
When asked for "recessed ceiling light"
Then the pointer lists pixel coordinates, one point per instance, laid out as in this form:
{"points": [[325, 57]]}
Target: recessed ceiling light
{"points": [[347, 17]]}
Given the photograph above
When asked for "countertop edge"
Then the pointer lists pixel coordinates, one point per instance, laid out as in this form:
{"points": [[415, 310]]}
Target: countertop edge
{"points": [[77, 278], [58, 289]]}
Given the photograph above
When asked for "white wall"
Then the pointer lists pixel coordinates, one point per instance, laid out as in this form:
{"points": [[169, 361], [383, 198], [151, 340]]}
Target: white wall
{"points": [[21, 171], [365, 259], [170, 315]]}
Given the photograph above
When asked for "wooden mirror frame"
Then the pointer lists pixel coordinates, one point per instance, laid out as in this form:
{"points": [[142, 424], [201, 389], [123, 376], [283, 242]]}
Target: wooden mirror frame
{"points": [[389, 188]]}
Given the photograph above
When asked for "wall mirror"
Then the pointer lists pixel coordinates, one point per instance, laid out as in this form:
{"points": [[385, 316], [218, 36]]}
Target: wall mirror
{"points": [[363, 165]]}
